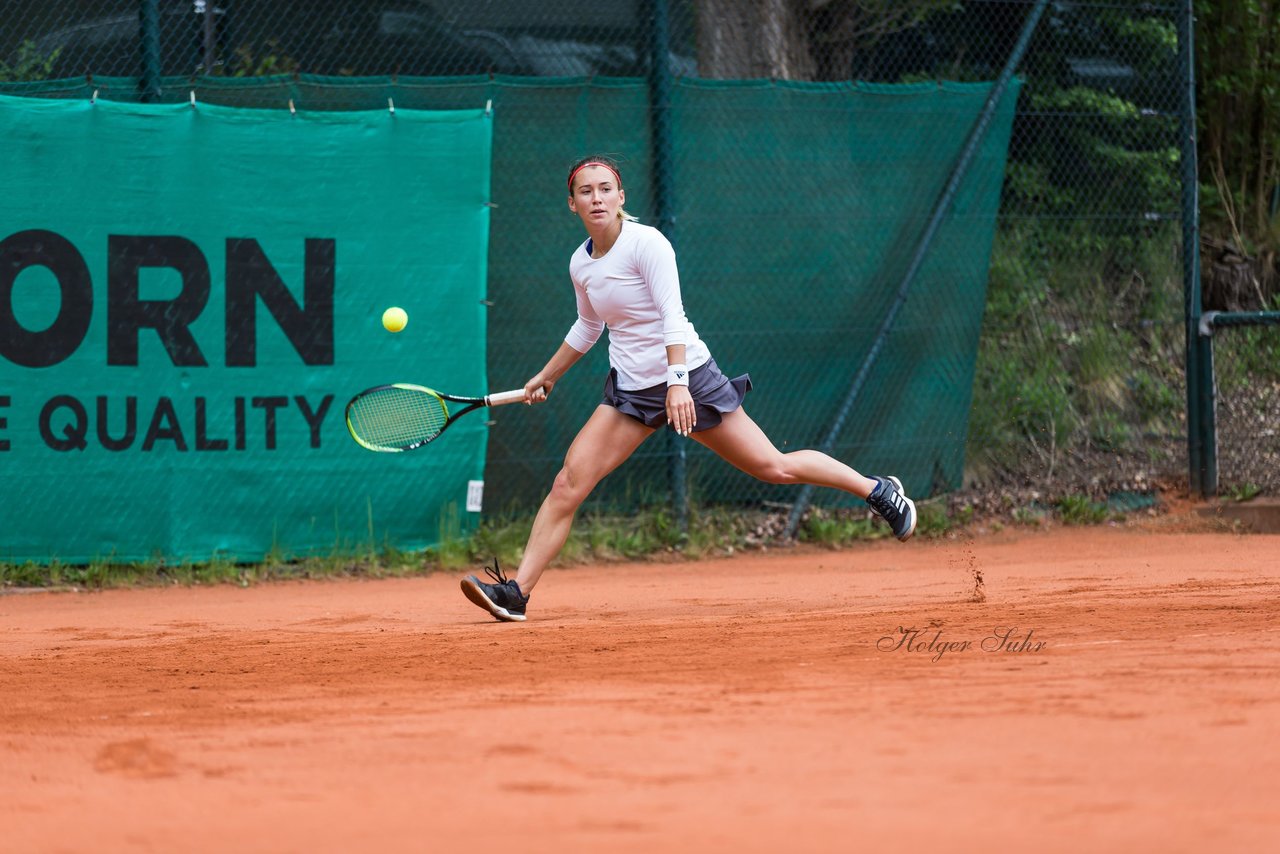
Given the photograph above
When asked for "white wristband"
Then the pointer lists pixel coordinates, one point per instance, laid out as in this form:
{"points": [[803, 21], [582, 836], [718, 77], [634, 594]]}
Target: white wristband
{"points": [[677, 375]]}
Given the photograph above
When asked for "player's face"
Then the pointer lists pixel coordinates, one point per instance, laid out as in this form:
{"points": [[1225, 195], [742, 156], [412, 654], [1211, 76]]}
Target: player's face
{"points": [[596, 197]]}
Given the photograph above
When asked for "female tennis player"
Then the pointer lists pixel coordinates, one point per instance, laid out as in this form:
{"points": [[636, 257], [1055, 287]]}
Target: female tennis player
{"points": [[661, 373]]}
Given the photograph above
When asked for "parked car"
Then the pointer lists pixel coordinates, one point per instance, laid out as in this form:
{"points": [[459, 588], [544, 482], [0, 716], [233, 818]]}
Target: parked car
{"points": [[257, 38], [251, 37]]}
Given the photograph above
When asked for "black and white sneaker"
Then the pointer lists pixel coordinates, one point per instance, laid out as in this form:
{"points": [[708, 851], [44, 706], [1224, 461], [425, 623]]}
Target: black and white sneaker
{"points": [[503, 599], [892, 505]]}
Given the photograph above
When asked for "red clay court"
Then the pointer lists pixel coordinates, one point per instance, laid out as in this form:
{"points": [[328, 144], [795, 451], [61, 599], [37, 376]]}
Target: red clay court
{"points": [[766, 702]]}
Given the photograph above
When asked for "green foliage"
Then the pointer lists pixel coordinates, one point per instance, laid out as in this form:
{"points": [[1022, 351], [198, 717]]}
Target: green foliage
{"points": [[1081, 510], [837, 529], [1109, 431], [1081, 346], [28, 64], [1246, 354], [934, 520], [1032, 398], [717, 530], [1154, 396], [596, 537], [27, 574], [1244, 492], [1031, 516], [1154, 41], [502, 537], [1099, 155], [620, 537], [1097, 138], [1238, 84], [1081, 337], [247, 61]]}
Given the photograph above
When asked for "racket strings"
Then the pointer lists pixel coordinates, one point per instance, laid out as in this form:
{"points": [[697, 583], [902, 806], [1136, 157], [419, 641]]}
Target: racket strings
{"points": [[398, 417]]}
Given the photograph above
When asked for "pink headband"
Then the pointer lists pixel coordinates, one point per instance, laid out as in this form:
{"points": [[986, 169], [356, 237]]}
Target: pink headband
{"points": [[575, 172]]}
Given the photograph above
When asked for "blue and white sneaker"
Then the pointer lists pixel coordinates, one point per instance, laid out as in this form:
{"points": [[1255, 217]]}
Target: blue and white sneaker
{"points": [[502, 599], [891, 504]]}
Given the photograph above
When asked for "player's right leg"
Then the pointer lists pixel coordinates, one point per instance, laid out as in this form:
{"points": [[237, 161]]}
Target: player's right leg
{"points": [[604, 443]]}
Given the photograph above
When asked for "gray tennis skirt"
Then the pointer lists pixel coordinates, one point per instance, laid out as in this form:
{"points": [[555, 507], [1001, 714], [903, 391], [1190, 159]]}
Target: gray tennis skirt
{"points": [[713, 393]]}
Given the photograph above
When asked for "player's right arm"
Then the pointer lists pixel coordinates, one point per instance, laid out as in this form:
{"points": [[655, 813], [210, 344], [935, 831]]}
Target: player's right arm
{"points": [[541, 383], [582, 335]]}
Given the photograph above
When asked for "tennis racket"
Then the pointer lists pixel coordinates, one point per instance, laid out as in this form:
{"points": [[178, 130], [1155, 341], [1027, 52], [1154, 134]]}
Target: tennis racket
{"points": [[401, 417]]}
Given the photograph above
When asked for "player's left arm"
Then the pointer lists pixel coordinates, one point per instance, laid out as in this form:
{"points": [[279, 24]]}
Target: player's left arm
{"points": [[656, 260], [657, 263], [680, 410]]}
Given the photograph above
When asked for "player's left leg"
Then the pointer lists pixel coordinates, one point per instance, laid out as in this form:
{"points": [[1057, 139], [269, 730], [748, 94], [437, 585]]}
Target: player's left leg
{"points": [[740, 441]]}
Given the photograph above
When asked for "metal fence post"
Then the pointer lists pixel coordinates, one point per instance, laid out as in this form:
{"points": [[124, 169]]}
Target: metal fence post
{"points": [[658, 38], [149, 44], [210, 38], [1201, 429]]}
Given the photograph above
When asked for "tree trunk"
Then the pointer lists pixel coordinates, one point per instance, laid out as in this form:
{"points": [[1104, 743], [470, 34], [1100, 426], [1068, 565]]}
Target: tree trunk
{"points": [[746, 39], [1263, 164]]}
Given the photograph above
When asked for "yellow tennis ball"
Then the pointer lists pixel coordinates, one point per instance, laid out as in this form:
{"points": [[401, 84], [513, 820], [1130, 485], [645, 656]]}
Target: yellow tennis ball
{"points": [[394, 319]]}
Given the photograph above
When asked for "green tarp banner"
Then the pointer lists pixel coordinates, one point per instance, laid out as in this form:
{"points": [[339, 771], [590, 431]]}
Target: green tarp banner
{"points": [[188, 297]]}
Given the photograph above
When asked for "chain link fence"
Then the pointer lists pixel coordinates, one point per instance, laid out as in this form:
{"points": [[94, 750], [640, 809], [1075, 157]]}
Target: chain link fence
{"points": [[1075, 383], [1247, 378]]}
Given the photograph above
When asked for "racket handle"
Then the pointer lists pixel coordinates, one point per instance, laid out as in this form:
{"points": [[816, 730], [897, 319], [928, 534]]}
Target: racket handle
{"points": [[502, 398]]}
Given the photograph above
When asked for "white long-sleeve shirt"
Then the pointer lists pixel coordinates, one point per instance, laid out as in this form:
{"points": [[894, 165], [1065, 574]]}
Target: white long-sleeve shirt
{"points": [[635, 291]]}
